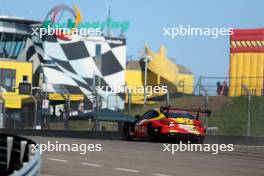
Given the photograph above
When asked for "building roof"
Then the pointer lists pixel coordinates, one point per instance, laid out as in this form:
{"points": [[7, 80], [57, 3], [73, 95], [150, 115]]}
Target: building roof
{"points": [[18, 20], [184, 70], [13, 60], [134, 65], [137, 65], [107, 115]]}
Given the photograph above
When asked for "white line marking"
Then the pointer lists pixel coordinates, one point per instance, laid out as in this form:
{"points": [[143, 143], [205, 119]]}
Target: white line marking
{"points": [[126, 170], [55, 159], [91, 164], [157, 174]]}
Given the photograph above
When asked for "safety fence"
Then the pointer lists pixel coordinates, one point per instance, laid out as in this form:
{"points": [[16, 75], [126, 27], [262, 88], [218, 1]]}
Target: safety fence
{"points": [[116, 136], [241, 116]]}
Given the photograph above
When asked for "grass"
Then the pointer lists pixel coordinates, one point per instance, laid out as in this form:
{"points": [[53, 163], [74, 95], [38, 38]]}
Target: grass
{"points": [[187, 102], [232, 118]]}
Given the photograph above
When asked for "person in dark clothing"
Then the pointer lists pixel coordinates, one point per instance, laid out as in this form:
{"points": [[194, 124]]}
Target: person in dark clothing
{"points": [[219, 88], [225, 89], [61, 114]]}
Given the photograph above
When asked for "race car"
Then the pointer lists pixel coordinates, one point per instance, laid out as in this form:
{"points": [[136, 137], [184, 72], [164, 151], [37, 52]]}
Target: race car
{"points": [[167, 122]]}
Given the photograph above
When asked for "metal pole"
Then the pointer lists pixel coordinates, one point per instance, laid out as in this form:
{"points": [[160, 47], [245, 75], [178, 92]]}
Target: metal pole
{"points": [[116, 98], [47, 110], [145, 80], [35, 111], [97, 98], [206, 100], [129, 103], [206, 107], [97, 127], [168, 98], [200, 85], [38, 106], [4, 114], [67, 113], [246, 89], [248, 113], [2, 110], [108, 19], [68, 110], [107, 106]]}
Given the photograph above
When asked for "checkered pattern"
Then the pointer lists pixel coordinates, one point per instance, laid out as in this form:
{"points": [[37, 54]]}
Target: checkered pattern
{"points": [[70, 66]]}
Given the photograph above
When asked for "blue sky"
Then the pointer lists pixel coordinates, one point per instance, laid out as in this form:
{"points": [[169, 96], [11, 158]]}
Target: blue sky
{"points": [[202, 54]]}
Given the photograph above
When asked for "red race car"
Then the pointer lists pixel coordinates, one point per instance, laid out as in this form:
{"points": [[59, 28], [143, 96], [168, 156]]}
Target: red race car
{"points": [[167, 122]]}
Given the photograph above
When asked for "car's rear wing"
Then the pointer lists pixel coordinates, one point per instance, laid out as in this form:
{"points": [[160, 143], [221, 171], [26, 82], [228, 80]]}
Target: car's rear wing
{"points": [[197, 112]]}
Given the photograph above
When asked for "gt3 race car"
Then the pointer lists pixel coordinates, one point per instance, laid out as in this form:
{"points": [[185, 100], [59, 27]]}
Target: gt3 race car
{"points": [[167, 122]]}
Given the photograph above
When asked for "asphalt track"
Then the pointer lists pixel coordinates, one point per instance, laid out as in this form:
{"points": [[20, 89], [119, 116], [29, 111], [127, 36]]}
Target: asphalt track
{"points": [[119, 158]]}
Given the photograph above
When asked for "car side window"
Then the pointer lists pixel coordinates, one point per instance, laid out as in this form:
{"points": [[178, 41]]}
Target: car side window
{"points": [[150, 114], [154, 114], [146, 115]]}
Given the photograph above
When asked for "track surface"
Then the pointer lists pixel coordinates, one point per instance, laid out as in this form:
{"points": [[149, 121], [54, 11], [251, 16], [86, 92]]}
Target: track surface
{"points": [[119, 158]]}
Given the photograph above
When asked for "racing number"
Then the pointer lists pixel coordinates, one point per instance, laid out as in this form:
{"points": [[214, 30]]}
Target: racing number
{"points": [[139, 127]]}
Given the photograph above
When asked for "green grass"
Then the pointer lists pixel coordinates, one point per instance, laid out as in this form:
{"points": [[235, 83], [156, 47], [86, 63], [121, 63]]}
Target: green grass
{"points": [[187, 102], [232, 118]]}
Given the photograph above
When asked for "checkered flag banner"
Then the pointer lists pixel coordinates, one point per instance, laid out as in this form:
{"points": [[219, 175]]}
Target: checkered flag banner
{"points": [[70, 67]]}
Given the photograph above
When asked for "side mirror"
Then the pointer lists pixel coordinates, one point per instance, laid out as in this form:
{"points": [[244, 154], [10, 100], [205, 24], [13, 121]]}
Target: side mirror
{"points": [[138, 117]]}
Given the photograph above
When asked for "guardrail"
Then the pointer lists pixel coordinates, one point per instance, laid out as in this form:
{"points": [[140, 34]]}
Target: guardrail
{"points": [[18, 156], [209, 139]]}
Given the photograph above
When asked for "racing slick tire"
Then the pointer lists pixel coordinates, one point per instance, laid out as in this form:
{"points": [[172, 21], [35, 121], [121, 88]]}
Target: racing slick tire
{"points": [[152, 134], [126, 132]]}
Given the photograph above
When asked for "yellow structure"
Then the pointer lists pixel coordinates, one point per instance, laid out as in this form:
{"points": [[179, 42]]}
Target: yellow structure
{"points": [[161, 72], [247, 62], [62, 97], [17, 70], [246, 69], [163, 67], [185, 80]]}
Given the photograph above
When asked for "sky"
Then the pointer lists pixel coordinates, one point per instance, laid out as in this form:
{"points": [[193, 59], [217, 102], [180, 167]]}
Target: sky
{"points": [[202, 54]]}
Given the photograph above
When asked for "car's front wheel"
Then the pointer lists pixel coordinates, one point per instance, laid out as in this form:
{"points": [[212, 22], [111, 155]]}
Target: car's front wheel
{"points": [[152, 135]]}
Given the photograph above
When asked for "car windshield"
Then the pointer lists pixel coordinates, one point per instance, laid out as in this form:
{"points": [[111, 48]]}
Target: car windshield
{"points": [[178, 114]]}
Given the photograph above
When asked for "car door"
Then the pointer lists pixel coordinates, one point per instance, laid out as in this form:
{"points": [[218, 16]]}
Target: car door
{"points": [[141, 126], [138, 128]]}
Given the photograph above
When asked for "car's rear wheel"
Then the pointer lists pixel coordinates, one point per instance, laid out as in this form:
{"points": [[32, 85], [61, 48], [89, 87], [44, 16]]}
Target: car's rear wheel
{"points": [[126, 132]]}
